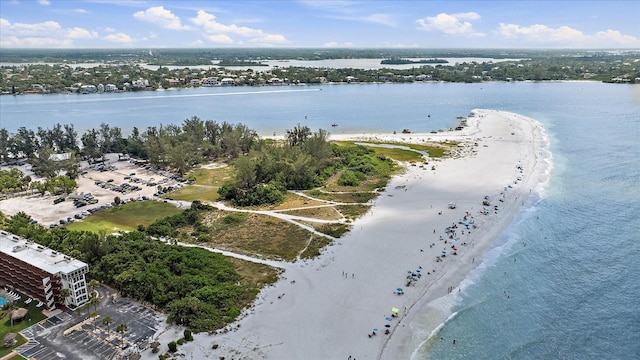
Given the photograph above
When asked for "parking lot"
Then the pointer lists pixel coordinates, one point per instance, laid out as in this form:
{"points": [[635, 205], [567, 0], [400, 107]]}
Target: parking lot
{"points": [[52, 340], [99, 184]]}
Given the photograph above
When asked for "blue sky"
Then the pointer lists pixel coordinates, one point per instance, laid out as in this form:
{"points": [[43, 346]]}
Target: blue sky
{"points": [[319, 23]]}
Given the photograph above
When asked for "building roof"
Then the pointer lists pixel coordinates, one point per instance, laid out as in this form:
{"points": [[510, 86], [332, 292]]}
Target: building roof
{"points": [[37, 255]]}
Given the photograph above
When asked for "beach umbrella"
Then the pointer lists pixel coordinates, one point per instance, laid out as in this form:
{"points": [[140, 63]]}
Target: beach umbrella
{"points": [[375, 329], [395, 310], [388, 318], [409, 271], [387, 326], [444, 252], [399, 289], [417, 270]]}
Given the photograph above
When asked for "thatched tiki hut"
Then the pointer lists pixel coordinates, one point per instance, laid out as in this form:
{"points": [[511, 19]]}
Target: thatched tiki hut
{"points": [[9, 340], [18, 314]]}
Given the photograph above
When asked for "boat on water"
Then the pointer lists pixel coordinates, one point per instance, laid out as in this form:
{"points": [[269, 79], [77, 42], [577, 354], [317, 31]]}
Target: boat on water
{"points": [[334, 124]]}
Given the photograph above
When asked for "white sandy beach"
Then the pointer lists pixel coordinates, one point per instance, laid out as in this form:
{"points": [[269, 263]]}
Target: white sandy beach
{"points": [[326, 308]]}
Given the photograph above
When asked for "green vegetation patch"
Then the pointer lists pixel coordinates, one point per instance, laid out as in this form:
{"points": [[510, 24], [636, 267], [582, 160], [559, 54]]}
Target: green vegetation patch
{"points": [[345, 197], [212, 177], [398, 154], [353, 211], [20, 340], [255, 275], [256, 235], [323, 213], [315, 245], [125, 217], [194, 192], [34, 315], [291, 201]]}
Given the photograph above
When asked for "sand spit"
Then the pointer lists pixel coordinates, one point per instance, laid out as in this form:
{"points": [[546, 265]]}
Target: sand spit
{"points": [[328, 308]]}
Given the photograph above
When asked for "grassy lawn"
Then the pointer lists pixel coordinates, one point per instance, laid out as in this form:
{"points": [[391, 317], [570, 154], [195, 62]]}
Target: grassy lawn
{"points": [[126, 217], [34, 316], [194, 192], [5, 351], [213, 177], [206, 185]]}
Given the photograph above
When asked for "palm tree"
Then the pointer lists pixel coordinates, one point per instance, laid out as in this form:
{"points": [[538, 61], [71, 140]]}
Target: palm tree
{"points": [[93, 285], [106, 321], [94, 301], [122, 328], [93, 316], [10, 307], [64, 294]]}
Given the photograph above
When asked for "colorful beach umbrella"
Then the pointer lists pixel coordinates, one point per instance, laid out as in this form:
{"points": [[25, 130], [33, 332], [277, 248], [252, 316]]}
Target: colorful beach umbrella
{"points": [[395, 310], [387, 326], [399, 289]]}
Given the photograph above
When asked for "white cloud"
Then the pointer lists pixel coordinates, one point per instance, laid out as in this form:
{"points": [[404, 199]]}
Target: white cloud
{"points": [[382, 19], [541, 33], [120, 38], [218, 32], [220, 39], [565, 36], [349, 11], [451, 24], [23, 29], [80, 11], [34, 42], [160, 16], [81, 33], [44, 2], [334, 44], [613, 38]]}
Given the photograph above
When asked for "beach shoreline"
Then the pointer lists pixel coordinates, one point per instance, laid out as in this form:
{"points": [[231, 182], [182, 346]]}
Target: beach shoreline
{"points": [[328, 308]]}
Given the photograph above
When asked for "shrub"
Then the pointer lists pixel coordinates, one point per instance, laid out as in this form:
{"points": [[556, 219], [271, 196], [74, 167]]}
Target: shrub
{"points": [[348, 178], [187, 335], [173, 346]]}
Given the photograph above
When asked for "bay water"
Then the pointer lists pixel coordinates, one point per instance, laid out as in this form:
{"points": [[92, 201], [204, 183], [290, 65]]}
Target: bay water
{"points": [[562, 282]]}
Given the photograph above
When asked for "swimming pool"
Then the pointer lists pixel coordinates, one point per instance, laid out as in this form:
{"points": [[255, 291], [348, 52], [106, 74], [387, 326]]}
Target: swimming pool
{"points": [[3, 301]]}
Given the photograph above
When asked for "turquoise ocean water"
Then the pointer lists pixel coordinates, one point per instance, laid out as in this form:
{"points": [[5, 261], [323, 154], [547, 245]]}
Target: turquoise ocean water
{"points": [[573, 292]]}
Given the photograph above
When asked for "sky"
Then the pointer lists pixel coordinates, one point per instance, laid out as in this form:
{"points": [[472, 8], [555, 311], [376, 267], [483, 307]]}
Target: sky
{"points": [[517, 24]]}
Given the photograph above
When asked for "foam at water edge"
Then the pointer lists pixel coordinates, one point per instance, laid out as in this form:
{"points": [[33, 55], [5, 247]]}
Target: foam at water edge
{"points": [[416, 354]]}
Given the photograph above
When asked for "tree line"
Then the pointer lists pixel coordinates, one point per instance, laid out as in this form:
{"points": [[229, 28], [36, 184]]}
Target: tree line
{"points": [[177, 147]]}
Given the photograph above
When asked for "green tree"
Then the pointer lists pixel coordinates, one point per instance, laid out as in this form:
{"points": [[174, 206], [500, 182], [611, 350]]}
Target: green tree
{"points": [[107, 321], [64, 294], [121, 329], [93, 315], [93, 301], [10, 307], [93, 285], [298, 135], [173, 346], [4, 145]]}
